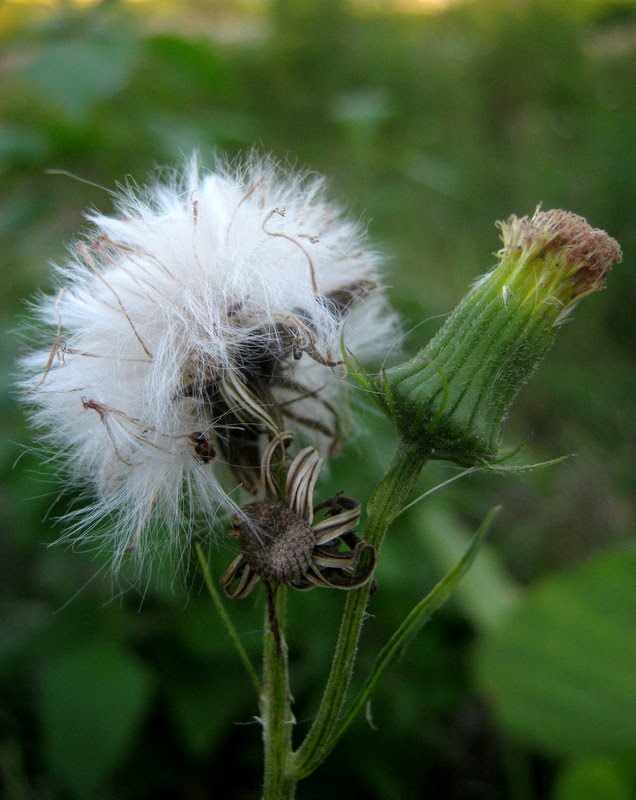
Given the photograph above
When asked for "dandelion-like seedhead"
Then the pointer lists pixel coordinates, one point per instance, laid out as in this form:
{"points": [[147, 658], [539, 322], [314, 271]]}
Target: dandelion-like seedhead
{"points": [[190, 329]]}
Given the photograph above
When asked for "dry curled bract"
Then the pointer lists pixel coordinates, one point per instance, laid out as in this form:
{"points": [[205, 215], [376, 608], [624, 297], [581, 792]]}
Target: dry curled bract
{"points": [[282, 542]]}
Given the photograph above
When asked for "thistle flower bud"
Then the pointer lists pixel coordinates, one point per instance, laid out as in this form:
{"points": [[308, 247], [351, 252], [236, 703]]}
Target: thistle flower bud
{"points": [[453, 396]]}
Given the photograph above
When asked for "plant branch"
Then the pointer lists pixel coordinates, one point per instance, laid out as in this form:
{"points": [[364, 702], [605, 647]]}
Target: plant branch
{"points": [[412, 624], [275, 702], [385, 504]]}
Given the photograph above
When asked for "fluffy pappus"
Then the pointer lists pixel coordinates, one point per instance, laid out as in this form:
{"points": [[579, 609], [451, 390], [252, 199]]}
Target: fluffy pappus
{"points": [[187, 331]]}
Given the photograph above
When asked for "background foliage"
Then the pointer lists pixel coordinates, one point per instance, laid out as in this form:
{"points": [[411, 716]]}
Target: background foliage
{"points": [[431, 126]]}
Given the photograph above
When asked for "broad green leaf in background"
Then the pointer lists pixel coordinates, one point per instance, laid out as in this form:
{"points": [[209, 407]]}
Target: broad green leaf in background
{"points": [[207, 706], [72, 76], [594, 779], [92, 700], [560, 670], [19, 145]]}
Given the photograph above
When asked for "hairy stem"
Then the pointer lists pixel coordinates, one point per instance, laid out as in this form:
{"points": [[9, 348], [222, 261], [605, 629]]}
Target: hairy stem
{"points": [[412, 623], [275, 702], [384, 505]]}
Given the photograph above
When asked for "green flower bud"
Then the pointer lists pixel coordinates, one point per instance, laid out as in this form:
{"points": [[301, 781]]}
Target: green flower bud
{"points": [[453, 396]]}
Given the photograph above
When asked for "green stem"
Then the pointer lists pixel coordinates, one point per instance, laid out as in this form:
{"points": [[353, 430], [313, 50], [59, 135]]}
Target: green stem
{"points": [[275, 705], [225, 618], [385, 504], [413, 622]]}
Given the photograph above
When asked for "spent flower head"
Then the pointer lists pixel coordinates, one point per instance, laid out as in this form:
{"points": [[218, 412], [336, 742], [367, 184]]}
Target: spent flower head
{"points": [[281, 541], [453, 396], [190, 329]]}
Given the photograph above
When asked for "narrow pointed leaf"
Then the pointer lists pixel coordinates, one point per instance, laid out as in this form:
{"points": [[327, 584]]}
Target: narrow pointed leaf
{"points": [[412, 624], [517, 468]]}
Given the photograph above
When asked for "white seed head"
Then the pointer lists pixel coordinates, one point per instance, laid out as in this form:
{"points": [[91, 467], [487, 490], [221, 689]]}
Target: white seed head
{"points": [[188, 327]]}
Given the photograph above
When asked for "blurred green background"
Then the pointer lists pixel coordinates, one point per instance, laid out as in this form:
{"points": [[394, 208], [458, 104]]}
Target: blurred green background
{"points": [[432, 121]]}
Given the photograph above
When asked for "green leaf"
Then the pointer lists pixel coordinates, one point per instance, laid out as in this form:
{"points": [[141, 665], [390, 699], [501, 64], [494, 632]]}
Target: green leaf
{"points": [[21, 145], [93, 699], [561, 668], [75, 75], [357, 371], [487, 593], [413, 623], [206, 706], [494, 466], [228, 624], [593, 779]]}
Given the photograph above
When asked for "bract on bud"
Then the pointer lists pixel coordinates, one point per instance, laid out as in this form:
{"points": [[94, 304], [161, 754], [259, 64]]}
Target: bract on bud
{"points": [[453, 396]]}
